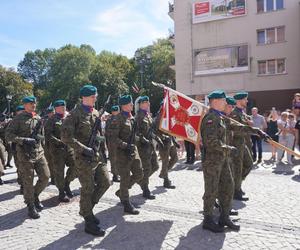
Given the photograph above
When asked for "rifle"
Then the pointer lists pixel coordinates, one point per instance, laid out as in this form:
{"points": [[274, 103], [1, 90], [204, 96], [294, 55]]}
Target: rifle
{"points": [[94, 140], [151, 135], [35, 134]]}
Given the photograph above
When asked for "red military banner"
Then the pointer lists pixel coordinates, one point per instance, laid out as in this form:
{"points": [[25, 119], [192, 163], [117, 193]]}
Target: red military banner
{"points": [[181, 116]]}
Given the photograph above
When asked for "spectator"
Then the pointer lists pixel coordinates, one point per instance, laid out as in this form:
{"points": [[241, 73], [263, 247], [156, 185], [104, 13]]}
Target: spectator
{"points": [[190, 152], [297, 127], [259, 122], [272, 129], [286, 126]]}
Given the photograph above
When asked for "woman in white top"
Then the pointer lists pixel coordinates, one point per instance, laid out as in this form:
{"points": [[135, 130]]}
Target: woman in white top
{"points": [[286, 127]]}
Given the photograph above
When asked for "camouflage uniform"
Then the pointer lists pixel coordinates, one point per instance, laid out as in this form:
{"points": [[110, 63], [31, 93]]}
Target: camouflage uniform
{"points": [[2, 160], [168, 152], [111, 147], [60, 153], [32, 157], [129, 166], [242, 162], [145, 146], [92, 173]]}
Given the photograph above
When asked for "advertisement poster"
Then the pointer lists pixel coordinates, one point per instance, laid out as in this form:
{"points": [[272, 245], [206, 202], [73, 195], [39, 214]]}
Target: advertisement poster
{"points": [[210, 10]]}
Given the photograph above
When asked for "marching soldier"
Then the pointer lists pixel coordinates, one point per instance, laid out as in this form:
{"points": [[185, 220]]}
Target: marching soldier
{"points": [[122, 133], [2, 160], [111, 146], [77, 129], [26, 131], [60, 153], [19, 110], [49, 114], [242, 162], [145, 145], [167, 152]]}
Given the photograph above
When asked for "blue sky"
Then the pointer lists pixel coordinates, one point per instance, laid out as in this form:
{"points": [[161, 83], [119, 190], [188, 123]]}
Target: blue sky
{"points": [[115, 25]]}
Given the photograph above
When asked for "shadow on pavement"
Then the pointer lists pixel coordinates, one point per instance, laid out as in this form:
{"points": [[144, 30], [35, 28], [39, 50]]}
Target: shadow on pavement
{"points": [[238, 205], [283, 169], [296, 178], [197, 238], [9, 195]]}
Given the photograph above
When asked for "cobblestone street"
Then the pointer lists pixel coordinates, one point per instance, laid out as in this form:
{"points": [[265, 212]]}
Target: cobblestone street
{"points": [[269, 220]]}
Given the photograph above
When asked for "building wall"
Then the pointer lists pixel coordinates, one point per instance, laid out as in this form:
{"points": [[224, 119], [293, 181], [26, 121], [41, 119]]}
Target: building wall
{"points": [[234, 31]]}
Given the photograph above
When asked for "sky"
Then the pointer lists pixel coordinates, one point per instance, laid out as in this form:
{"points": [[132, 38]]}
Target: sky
{"points": [[120, 26]]}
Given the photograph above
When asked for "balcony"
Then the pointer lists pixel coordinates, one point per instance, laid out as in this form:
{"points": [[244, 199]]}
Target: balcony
{"points": [[171, 10]]}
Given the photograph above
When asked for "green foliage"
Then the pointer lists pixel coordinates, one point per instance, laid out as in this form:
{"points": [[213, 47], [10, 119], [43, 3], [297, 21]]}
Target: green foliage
{"points": [[12, 83]]}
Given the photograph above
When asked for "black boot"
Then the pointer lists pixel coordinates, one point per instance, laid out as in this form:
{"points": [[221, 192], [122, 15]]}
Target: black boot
{"points": [[1, 181], [38, 205], [226, 221], [115, 178], [209, 224], [62, 196], [147, 194], [168, 184], [91, 227], [32, 213], [117, 193], [52, 181], [233, 212], [68, 190], [21, 189], [239, 196], [129, 208]]}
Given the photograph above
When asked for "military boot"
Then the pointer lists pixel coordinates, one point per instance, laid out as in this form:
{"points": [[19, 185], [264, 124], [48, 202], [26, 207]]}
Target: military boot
{"points": [[21, 189], [239, 196], [1, 181], [62, 196], [52, 181], [168, 184], [117, 193], [115, 178], [147, 194], [32, 213], [129, 208], [91, 227], [38, 205], [209, 224], [96, 220], [67, 190], [226, 221]]}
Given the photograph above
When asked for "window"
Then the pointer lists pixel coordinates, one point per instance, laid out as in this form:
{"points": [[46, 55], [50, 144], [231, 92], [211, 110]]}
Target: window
{"points": [[271, 67], [271, 35], [269, 5], [221, 60]]}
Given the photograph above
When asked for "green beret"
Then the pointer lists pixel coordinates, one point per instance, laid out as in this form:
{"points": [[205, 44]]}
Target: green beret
{"points": [[59, 103], [230, 100], [115, 108], [88, 90], [125, 99], [216, 94], [240, 95], [20, 108], [143, 99], [50, 109], [29, 99]]}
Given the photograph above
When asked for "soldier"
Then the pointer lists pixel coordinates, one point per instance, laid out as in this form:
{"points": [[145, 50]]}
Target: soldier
{"points": [[60, 153], [4, 121], [242, 162], [2, 160], [49, 114], [92, 172], [19, 110], [26, 131], [122, 133], [167, 152], [111, 146], [147, 153]]}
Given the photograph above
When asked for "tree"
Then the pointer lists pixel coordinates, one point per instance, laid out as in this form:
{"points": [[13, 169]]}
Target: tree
{"points": [[12, 83]]}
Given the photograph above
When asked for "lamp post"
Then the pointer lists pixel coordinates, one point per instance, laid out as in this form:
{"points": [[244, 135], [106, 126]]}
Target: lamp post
{"points": [[142, 59], [8, 98]]}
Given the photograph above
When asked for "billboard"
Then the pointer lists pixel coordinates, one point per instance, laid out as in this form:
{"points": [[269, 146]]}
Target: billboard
{"points": [[210, 10], [221, 60]]}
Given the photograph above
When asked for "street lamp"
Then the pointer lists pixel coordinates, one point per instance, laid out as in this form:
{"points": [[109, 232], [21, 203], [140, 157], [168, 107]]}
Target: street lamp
{"points": [[8, 98], [142, 59]]}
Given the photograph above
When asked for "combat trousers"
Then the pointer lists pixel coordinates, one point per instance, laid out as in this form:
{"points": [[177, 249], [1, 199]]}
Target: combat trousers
{"points": [[130, 171], [247, 162], [112, 154], [168, 155], [94, 183], [60, 159], [218, 183], [149, 162], [26, 170], [49, 160], [17, 164]]}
